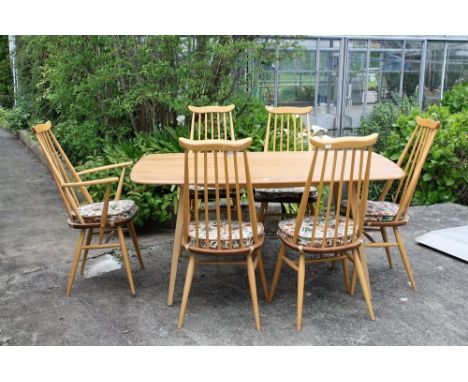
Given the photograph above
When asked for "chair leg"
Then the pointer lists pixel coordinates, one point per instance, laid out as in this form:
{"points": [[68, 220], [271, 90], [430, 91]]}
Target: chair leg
{"points": [[353, 281], [387, 249], [262, 212], [404, 257], [76, 259], [253, 290], [126, 259], [187, 285], [261, 270], [363, 282], [89, 237], [276, 275], [131, 229], [345, 265], [300, 289]]}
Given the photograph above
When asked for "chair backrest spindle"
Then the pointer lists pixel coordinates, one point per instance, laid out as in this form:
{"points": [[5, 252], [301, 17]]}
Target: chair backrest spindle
{"points": [[224, 166], [205, 118], [288, 134], [412, 161], [336, 163]]}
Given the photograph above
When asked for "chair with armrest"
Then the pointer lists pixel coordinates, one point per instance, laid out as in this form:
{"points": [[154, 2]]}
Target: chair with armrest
{"points": [[93, 219]]}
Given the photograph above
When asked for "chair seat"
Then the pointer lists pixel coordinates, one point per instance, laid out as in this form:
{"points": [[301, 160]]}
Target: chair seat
{"points": [[377, 211], [247, 234], [119, 211], [212, 192], [283, 194], [286, 232]]}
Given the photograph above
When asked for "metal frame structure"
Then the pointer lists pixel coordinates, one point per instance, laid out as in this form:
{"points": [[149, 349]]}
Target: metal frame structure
{"points": [[344, 73]]}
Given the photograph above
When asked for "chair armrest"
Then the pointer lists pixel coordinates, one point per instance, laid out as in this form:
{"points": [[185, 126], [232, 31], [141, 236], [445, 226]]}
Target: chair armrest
{"points": [[103, 168], [91, 182]]}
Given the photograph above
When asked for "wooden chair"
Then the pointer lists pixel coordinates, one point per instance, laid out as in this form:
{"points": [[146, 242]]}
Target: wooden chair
{"points": [[92, 219], [222, 165], [381, 214], [288, 133], [212, 122], [324, 235]]}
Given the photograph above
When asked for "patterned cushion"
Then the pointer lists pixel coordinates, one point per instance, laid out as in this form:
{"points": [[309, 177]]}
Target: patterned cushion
{"points": [[283, 194], [212, 192], [247, 234], [377, 211], [118, 211], [286, 231]]}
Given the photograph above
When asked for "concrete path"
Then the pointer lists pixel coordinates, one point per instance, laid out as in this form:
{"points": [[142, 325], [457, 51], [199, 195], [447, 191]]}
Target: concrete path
{"points": [[36, 248]]}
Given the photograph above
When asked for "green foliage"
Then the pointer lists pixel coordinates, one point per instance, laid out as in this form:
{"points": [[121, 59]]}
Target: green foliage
{"points": [[15, 119], [116, 98], [445, 172], [6, 82], [383, 119], [457, 98], [154, 203]]}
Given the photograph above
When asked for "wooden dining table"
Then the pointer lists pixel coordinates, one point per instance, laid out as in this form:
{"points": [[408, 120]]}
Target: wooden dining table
{"points": [[268, 170]]}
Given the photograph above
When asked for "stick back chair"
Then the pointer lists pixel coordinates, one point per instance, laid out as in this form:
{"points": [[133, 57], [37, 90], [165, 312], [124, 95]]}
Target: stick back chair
{"points": [[221, 165], [286, 131], [323, 234], [212, 122], [382, 214], [101, 219]]}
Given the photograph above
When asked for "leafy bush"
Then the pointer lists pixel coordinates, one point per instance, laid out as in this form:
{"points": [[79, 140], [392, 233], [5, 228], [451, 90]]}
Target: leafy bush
{"points": [[457, 98], [155, 203], [15, 119], [445, 172], [383, 118]]}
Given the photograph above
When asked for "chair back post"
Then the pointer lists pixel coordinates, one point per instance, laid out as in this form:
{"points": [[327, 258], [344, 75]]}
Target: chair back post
{"points": [[412, 161], [217, 164], [350, 159], [287, 133], [58, 164], [212, 122]]}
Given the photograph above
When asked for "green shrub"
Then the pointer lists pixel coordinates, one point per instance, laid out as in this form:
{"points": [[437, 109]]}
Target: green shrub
{"points": [[155, 203], [445, 173], [15, 119], [383, 118], [457, 98]]}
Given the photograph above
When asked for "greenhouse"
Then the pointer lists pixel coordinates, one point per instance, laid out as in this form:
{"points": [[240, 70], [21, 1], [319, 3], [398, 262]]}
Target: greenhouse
{"points": [[344, 77]]}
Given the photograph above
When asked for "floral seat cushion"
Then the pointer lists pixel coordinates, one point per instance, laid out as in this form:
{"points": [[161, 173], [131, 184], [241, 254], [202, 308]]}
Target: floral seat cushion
{"points": [[247, 234], [377, 211], [283, 194], [118, 211], [286, 232], [212, 192]]}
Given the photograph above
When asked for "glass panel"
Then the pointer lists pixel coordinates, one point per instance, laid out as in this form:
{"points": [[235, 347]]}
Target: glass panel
{"points": [[264, 74], [385, 79], [303, 60], [354, 91], [327, 92], [412, 66], [456, 70], [433, 75], [296, 84]]}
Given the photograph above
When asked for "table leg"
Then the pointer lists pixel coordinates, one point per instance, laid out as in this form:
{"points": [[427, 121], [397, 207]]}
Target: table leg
{"points": [[355, 212], [176, 250]]}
